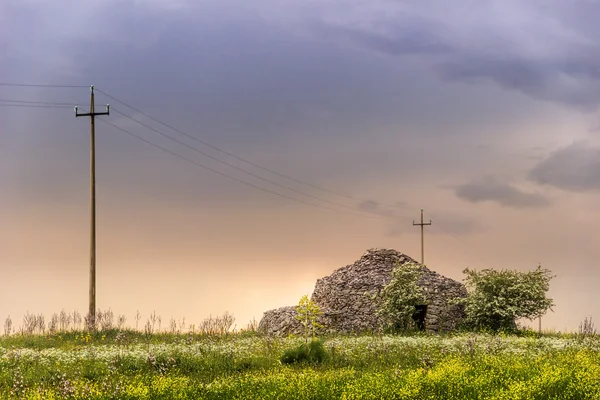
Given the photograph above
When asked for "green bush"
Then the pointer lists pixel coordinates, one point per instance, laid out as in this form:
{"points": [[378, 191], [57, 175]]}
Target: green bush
{"points": [[314, 353], [498, 298]]}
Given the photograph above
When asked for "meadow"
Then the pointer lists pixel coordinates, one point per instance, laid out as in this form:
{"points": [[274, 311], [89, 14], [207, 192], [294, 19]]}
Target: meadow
{"points": [[211, 362]]}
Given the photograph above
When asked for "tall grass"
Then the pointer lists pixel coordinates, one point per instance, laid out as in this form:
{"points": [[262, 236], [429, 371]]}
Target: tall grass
{"points": [[35, 324]]}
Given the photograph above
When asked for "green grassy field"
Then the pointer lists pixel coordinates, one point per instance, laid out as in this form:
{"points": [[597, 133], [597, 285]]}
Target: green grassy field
{"points": [[131, 365]]}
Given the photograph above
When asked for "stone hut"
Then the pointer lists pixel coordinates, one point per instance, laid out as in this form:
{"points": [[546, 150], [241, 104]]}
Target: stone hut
{"points": [[346, 298]]}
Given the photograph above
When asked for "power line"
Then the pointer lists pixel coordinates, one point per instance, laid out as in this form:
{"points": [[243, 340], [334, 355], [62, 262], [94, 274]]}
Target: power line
{"points": [[234, 178], [41, 85], [234, 166], [27, 103], [238, 157], [242, 159], [224, 151], [54, 104], [39, 102], [45, 104], [189, 136], [34, 106]]}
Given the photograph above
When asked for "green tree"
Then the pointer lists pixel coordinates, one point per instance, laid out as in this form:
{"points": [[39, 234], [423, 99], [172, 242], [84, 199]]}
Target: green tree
{"points": [[308, 313], [497, 299], [400, 296]]}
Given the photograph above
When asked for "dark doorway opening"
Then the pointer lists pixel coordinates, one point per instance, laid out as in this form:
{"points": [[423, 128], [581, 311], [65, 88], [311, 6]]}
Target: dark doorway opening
{"points": [[419, 316]]}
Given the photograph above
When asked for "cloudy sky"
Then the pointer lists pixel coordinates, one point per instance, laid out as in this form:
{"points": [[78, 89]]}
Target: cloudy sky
{"points": [[306, 133]]}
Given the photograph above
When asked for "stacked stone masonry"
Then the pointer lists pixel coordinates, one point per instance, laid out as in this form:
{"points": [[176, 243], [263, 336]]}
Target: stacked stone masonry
{"points": [[348, 296]]}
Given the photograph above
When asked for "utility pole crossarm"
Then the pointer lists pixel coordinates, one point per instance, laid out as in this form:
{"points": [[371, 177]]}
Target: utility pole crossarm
{"points": [[422, 224], [92, 114], [78, 114]]}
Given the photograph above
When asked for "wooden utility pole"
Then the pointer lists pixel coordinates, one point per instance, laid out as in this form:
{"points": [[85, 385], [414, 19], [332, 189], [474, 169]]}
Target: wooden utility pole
{"points": [[92, 114], [422, 224]]}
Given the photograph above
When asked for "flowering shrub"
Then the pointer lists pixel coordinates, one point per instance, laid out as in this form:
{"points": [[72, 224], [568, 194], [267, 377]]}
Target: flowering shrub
{"points": [[400, 296], [498, 298]]}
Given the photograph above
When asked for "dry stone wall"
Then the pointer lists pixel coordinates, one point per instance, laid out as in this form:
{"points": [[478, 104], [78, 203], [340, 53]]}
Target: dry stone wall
{"points": [[348, 296], [280, 322]]}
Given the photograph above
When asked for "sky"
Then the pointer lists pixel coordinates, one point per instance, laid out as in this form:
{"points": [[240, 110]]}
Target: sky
{"points": [[306, 132]]}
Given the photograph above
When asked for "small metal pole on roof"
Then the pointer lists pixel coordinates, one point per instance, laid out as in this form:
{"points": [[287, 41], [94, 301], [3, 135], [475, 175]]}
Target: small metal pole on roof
{"points": [[422, 224]]}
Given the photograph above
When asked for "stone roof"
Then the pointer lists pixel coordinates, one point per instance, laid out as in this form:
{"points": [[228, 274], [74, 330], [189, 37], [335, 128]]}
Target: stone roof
{"points": [[346, 296]]}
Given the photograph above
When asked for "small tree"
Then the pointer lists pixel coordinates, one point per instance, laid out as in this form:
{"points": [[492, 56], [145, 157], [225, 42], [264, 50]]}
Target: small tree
{"points": [[308, 312], [498, 298], [400, 297]]}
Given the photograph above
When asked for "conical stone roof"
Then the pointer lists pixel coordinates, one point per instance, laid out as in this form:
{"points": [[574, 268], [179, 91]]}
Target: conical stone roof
{"points": [[346, 297]]}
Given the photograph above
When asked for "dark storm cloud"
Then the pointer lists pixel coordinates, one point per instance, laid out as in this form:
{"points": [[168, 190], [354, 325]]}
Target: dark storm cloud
{"points": [[573, 168], [507, 72], [222, 73], [491, 189], [536, 79], [238, 82], [541, 49]]}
